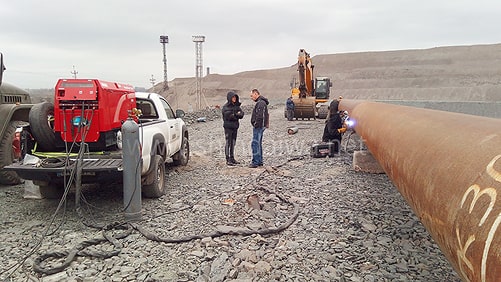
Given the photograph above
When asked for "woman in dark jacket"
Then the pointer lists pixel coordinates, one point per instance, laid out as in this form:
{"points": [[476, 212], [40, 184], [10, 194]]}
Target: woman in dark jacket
{"points": [[232, 113]]}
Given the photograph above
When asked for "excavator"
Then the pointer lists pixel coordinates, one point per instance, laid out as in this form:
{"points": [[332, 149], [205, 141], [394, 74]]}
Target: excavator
{"points": [[311, 91]]}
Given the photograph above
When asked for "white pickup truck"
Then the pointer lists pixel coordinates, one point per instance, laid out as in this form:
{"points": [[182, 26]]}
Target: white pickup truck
{"points": [[163, 136]]}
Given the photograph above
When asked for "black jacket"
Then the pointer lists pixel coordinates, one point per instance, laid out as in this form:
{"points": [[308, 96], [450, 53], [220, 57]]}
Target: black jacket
{"points": [[260, 117], [232, 112], [289, 104], [330, 131]]}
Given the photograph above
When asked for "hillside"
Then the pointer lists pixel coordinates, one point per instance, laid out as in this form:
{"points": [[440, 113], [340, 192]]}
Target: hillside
{"points": [[457, 73]]}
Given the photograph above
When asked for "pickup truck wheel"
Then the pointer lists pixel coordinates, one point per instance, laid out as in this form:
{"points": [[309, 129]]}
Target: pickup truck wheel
{"points": [[157, 188], [8, 154], [49, 190], [182, 157], [41, 119]]}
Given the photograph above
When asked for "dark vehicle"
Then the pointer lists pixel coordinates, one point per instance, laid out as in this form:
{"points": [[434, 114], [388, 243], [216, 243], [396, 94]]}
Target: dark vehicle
{"points": [[15, 105]]}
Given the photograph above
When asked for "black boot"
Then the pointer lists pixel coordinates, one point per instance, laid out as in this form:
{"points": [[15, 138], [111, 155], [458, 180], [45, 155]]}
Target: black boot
{"points": [[234, 161]]}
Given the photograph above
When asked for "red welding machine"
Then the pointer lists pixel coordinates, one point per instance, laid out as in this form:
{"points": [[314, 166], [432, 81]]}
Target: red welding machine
{"points": [[91, 110]]}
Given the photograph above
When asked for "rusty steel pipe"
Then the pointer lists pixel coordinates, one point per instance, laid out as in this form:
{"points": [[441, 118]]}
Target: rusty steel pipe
{"points": [[447, 166]]}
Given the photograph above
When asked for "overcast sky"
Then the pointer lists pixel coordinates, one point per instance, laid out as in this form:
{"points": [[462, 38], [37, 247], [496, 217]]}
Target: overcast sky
{"points": [[118, 40]]}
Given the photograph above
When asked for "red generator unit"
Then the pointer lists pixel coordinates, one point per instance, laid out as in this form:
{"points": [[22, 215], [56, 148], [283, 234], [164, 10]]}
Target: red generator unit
{"points": [[91, 110]]}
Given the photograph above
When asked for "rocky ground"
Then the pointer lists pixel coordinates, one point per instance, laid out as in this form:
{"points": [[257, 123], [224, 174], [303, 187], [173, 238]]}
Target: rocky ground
{"points": [[302, 219]]}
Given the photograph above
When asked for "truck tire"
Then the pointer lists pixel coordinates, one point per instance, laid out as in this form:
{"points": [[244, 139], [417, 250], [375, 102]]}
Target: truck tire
{"points": [[183, 155], [156, 189], [7, 155], [49, 190], [42, 126]]}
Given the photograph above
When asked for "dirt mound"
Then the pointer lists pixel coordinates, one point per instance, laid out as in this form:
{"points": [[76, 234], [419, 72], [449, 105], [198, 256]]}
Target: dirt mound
{"points": [[459, 73]]}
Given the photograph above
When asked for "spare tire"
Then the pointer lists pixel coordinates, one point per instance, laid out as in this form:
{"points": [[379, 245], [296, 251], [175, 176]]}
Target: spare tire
{"points": [[41, 120], [7, 155]]}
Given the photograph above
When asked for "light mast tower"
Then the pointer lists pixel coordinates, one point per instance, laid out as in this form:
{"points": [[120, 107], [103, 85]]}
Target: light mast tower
{"points": [[198, 39], [164, 39]]}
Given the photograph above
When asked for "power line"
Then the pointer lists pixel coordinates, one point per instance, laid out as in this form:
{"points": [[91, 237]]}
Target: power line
{"points": [[74, 72], [152, 81]]}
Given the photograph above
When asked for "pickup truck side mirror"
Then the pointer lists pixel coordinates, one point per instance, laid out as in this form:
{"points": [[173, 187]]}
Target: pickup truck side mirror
{"points": [[180, 113]]}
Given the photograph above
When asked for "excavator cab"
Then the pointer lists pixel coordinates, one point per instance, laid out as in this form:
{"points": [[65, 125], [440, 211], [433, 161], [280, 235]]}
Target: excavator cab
{"points": [[322, 89]]}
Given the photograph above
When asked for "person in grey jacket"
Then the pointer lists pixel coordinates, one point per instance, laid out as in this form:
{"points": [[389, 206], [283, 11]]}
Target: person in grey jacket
{"points": [[232, 113], [260, 121]]}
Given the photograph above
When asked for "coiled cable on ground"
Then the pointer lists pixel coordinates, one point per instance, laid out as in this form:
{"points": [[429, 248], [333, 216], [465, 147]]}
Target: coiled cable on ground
{"points": [[79, 250], [126, 229], [234, 230]]}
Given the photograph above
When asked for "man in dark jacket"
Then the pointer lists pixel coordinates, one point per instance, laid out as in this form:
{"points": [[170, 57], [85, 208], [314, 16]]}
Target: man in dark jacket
{"points": [[289, 105], [232, 113], [333, 129], [259, 121]]}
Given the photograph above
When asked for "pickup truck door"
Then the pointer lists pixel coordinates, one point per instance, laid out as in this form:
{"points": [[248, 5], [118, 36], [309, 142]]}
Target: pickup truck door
{"points": [[174, 129]]}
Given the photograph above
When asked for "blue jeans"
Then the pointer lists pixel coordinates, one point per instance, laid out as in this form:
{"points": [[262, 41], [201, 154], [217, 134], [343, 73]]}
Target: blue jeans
{"points": [[257, 145]]}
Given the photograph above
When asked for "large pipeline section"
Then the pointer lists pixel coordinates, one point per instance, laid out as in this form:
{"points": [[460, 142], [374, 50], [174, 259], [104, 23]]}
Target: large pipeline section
{"points": [[447, 166]]}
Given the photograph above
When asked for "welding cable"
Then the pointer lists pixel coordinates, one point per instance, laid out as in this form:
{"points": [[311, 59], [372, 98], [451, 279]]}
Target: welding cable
{"points": [[65, 130], [47, 232], [79, 170], [54, 162], [78, 179], [40, 263], [69, 165], [242, 231]]}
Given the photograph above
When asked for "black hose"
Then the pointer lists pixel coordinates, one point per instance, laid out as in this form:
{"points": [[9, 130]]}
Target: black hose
{"points": [[79, 250]]}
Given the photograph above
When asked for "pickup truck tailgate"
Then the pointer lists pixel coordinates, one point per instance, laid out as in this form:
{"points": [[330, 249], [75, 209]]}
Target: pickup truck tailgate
{"points": [[94, 170], [88, 165]]}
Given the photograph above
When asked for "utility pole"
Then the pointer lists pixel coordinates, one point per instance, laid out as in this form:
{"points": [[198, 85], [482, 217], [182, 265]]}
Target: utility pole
{"points": [[74, 72], [152, 81], [164, 39], [198, 39]]}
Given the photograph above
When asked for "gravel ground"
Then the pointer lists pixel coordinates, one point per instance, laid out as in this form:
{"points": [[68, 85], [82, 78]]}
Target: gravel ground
{"points": [[339, 225]]}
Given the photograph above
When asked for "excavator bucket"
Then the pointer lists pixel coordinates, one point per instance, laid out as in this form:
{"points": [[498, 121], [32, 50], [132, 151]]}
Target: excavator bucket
{"points": [[304, 107]]}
